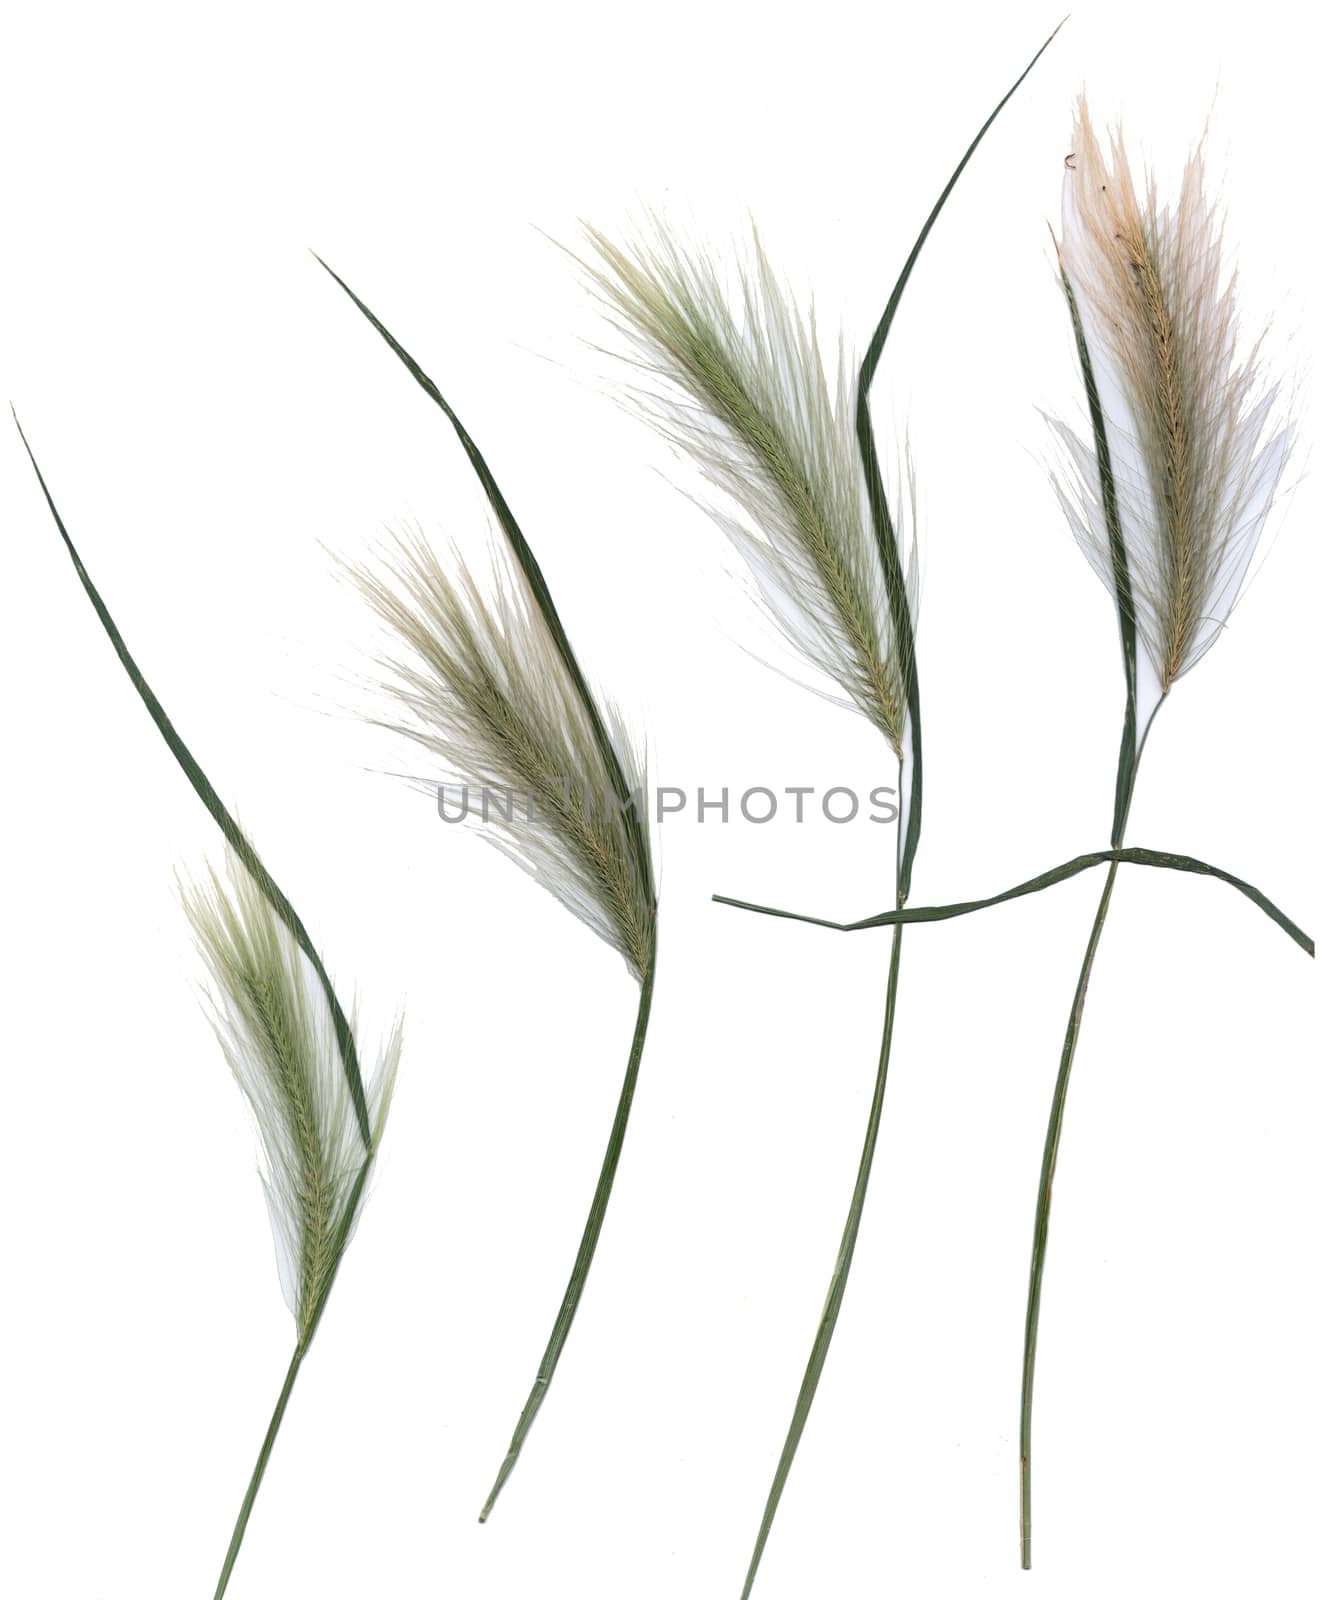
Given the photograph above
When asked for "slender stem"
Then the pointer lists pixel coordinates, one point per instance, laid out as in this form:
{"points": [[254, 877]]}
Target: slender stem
{"points": [[838, 1283], [1042, 1224], [251, 1493], [589, 1242], [1126, 779]]}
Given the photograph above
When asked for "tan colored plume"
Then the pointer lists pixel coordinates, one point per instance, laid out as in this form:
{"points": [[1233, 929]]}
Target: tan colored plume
{"points": [[1196, 439]]}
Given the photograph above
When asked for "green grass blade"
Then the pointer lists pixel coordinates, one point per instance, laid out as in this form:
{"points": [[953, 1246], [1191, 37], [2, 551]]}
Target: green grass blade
{"points": [[1132, 856], [225, 821], [886, 536]]}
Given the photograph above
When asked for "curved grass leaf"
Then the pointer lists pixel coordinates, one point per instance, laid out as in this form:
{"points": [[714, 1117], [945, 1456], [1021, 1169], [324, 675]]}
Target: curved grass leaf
{"points": [[1133, 856], [886, 536], [345, 1039]]}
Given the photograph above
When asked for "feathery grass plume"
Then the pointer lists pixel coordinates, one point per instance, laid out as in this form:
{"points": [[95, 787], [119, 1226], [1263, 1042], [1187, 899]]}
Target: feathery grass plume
{"points": [[478, 683], [493, 687], [1194, 443], [290, 1044], [1168, 502], [759, 414], [277, 1033], [754, 406]]}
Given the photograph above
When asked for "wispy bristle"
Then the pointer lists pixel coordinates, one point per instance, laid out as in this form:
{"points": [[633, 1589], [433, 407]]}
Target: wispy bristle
{"points": [[1196, 445], [478, 681], [759, 415], [279, 1037]]}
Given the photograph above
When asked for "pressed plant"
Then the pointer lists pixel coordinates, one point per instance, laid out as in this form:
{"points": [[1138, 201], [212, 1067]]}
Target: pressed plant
{"points": [[489, 685], [292, 1049], [744, 390]]}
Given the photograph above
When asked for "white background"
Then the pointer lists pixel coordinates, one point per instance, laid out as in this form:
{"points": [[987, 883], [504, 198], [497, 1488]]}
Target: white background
{"points": [[210, 412]]}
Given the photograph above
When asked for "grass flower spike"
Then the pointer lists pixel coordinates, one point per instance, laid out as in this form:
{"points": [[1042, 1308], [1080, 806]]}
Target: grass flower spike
{"points": [[1168, 501], [276, 1030], [490, 685], [1190, 428], [772, 434], [479, 684]]}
